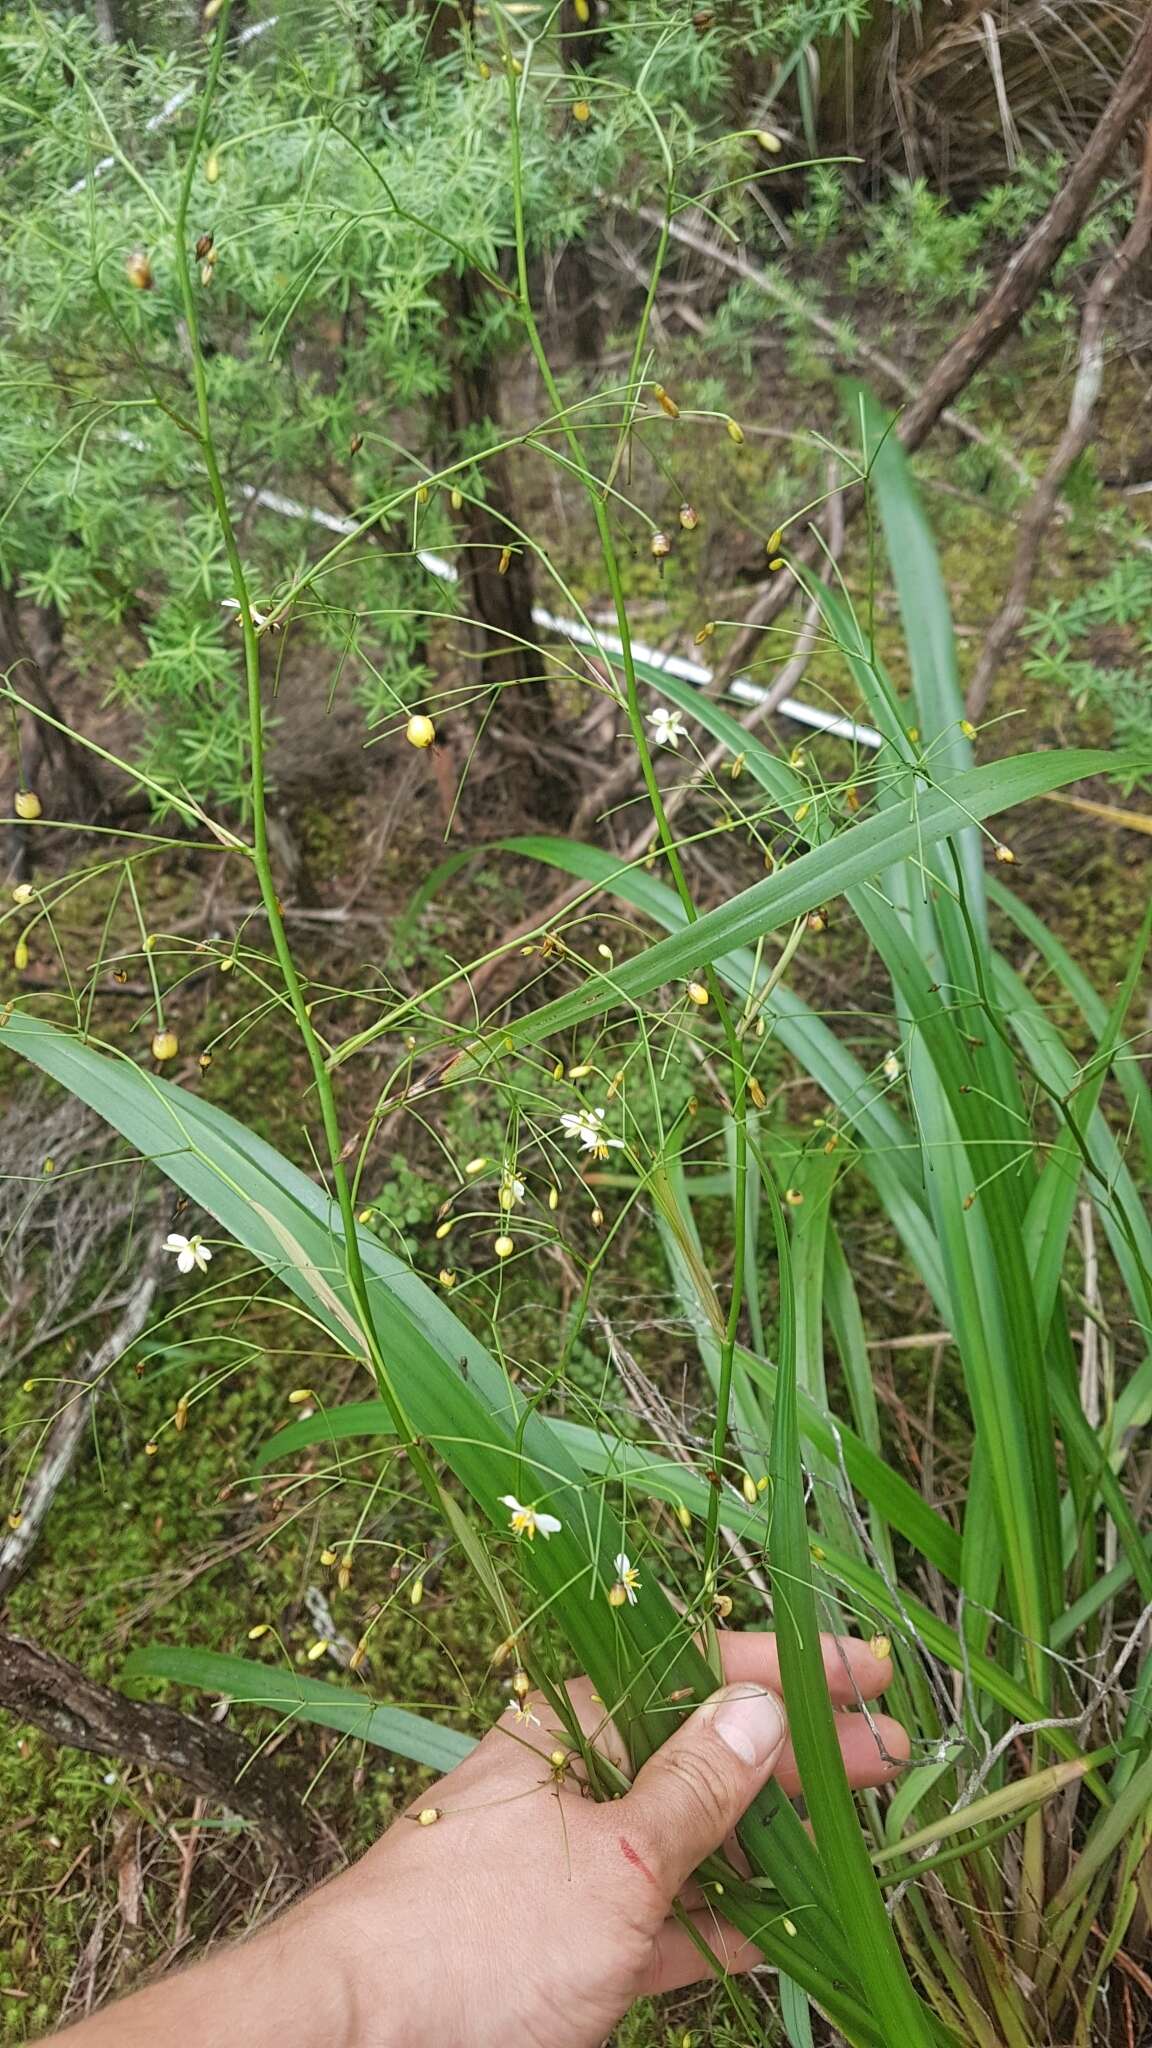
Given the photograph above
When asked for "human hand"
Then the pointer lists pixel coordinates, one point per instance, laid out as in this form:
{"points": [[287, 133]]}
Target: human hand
{"points": [[529, 1915]]}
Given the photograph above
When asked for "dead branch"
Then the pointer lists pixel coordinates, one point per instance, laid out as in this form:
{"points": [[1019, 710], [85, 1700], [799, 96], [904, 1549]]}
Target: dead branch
{"points": [[1038, 512], [67, 1432], [997, 318], [850, 348], [70, 1708]]}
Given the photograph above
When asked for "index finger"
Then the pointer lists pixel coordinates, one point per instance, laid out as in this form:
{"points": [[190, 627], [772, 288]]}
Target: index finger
{"points": [[852, 1672]]}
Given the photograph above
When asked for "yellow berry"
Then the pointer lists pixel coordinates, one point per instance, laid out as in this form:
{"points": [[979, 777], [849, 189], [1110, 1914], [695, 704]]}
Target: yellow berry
{"points": [[768, 141], [261, 1629], [316, 1651], [165, 1045], [27, 805], [503, 1247], [420, 731], [581, 111], [428, 1816], [880, 1646], [697, 993], [300, 1394]]}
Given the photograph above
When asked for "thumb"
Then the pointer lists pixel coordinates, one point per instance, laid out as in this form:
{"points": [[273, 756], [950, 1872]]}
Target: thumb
{"points": [[690, 1795]]}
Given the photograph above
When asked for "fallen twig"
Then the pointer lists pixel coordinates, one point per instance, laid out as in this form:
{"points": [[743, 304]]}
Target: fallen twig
{"points": [[64, 1436]]}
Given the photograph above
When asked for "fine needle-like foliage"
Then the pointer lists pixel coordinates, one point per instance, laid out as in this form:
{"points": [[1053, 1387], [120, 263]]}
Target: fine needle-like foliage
{"points": [[970, 1123]]}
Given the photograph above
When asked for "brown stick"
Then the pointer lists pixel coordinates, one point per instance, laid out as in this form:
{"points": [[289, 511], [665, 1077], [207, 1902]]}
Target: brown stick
{"points": [[860, 351], [1001, 313], [66, 1433], [70, 1708], [1034, 519]]}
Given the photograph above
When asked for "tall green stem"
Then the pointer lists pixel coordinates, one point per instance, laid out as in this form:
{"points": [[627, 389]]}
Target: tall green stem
{"points": [[354, 1268]]}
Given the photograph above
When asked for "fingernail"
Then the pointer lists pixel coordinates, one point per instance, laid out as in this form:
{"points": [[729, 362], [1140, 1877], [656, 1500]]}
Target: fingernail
{"points": [[750, 1722]]}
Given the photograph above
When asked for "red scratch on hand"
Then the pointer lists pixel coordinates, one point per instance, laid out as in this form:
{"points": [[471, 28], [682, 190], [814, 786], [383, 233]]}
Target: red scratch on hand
{"points": [[630, 1856]]}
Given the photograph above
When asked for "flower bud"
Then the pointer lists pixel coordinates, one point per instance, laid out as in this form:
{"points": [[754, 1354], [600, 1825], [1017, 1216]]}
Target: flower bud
{"points": [[748, 1489], [705, 633], [165, 1045], [212, 167], [20, 955], [261, 1629], [768, 141], [419, 731], [27, 805], [139, 271], [317, 1650], [205, 247], [734, 431], [299, 1395], [689, 517], [665, 402]]}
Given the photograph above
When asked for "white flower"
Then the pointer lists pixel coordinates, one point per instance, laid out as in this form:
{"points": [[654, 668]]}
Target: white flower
{"points": [[259, 619], [526, 1521], [190, 1251], [587, 1125], [667, 726], [522, 1714], [629, 1578], [892, 1067]]}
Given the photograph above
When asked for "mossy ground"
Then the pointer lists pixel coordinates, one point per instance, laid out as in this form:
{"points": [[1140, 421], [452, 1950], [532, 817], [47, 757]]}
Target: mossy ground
{"points": [[184, 1547]]}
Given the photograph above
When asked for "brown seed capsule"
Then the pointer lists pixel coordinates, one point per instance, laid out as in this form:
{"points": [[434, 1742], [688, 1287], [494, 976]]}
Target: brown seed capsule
{"points": [[689, 517], [660, 546], [204, 1062], [139, 271], [759, 1099], [180, 1419], [205, 247], [505, 561], [355, 444]]}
